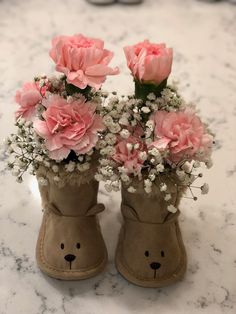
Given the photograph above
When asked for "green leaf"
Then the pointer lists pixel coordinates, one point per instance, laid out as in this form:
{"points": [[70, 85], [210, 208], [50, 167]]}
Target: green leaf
{"points": [[72, 89]]}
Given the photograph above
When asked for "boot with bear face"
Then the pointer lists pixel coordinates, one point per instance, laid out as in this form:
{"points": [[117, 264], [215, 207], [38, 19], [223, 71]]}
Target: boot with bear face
{"points": [[150, 252], [70, 245]]}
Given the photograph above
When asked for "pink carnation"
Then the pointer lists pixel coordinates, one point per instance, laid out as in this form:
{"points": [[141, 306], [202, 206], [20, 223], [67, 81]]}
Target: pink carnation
{"points": [[83, 60], [183, 134], [27, 98], [68, 126], [129, 158], [150, 63]]}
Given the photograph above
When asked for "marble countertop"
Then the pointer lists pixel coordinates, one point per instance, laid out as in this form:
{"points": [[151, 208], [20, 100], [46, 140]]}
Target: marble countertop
{"points": [[204, 40]]}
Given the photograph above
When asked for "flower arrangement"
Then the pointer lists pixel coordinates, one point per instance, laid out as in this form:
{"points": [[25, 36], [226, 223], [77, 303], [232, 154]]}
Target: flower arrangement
{"points": [[58, 121], [138, 139], [154, 134]]}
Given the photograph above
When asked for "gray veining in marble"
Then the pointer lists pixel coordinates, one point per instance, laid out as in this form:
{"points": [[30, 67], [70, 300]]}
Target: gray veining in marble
{"points": [[204, 40]]}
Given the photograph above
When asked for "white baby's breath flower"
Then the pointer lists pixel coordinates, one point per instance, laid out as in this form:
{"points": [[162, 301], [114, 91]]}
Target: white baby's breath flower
{"points": [[129, 146], [152, 176], [163, 187], [110, 139], [155, 152], [114, 113], [148, 141], [147, 183], [98, 177], [153, 160], [145, 109], [148, 133], [133, 122], [171, 208], [154, 107], [142, 156], [15, 172], [115, 186], [85, 166], [122, 169], [150, 125], [131, 189], [136, 146], [107, 120], [189, 179], [109, 150], [55, 168], [114, 128], [160, 168], [70, 167], [39, 158], [147, 189], [42, 181], [187, 167], [104, 162], [151, 96], [81, 158], [124, 121], [89, 153], [47, 164], [124, 133], [56, 178], [209, 163], [205, 188], [124, 177], [167, 197], [70, 99], [197, 164], [114, 177], [101, 144], [181, 174]]}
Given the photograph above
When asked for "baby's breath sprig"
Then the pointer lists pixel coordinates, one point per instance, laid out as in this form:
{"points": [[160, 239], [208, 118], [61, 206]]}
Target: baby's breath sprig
{"points": [[25, 150]]}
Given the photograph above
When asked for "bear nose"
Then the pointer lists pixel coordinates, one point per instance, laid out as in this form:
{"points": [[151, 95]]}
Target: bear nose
{"points": [[70, 257], [155, 265]]}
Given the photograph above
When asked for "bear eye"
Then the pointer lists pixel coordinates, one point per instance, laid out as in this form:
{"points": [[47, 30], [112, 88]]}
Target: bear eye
{"points": [[78, 245], [62, 246], [162, 254], [146, 253]]}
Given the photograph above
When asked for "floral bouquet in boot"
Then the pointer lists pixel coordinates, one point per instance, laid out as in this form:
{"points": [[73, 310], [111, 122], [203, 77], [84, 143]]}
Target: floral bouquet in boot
{"points": [[154, 146], [59, 128]]}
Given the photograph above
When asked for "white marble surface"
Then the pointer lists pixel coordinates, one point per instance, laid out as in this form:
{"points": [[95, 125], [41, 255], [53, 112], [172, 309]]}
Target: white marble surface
{"points": [[204, 40]]}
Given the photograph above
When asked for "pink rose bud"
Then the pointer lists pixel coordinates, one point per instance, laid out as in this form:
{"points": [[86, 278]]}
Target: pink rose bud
{"points": [[83, 60], [148, 62]]}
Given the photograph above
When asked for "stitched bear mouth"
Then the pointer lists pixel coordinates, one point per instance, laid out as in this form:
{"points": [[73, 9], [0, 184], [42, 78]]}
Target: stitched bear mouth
{"points": [[70, 258], [155, 266]]}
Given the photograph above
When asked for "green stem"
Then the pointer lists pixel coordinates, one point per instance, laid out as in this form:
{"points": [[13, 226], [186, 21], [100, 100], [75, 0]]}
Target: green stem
{"points": [[143, 90]]}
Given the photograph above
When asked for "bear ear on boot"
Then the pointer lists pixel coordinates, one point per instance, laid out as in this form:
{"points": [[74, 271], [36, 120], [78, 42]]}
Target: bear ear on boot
{"points": [[96, 209], [129, 212]]}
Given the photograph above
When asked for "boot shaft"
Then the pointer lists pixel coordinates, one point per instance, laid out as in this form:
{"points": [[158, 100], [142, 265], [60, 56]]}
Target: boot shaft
{"points": [[151, 207], [71, 197]]}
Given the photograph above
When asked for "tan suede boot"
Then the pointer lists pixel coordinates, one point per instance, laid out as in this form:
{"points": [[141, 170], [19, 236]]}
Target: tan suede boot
{"points": [[70, 245], [150, 252]]}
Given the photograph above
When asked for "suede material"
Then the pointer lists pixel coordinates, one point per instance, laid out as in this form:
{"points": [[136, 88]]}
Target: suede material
{"points": [[70, 244], [70, 200], [150, 251]]}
